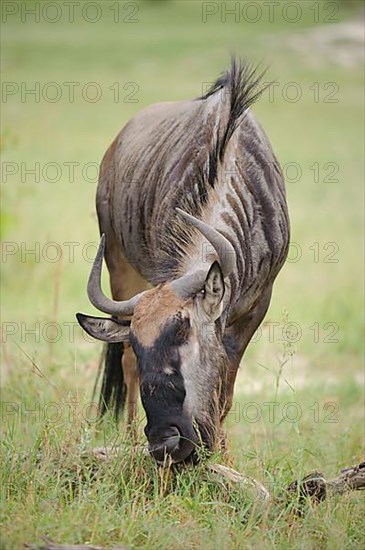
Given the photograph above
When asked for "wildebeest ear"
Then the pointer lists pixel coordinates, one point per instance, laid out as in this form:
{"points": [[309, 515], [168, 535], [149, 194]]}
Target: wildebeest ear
{"points": [[213, 291], [107, 330]]}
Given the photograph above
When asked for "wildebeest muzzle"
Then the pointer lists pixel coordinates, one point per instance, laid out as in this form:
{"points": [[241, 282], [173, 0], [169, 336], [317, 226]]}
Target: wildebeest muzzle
{"points": [[174, 438]]}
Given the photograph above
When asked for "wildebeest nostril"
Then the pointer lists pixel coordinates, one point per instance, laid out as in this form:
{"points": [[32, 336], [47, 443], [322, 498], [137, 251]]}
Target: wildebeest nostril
{"points": [[169, 442]]}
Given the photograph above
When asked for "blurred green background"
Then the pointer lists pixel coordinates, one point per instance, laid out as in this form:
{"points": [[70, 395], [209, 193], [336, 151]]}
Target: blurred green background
{"points": [[89, 79]]}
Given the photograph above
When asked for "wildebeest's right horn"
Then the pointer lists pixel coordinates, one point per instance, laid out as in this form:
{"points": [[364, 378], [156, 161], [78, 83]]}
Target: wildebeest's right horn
{"points": [[192, 282], [96, 295], [222, 246]]}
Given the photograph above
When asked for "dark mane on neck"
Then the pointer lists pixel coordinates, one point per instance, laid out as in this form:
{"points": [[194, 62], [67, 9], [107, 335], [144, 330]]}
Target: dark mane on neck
{"points": [[240, 86]]}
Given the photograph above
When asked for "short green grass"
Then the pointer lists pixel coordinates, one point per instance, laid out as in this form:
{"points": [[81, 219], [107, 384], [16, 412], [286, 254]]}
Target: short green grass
{"points": [[299, 397]]}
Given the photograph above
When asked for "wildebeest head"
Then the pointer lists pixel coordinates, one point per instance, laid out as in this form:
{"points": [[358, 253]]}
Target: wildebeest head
{"points": [[176, 333]]}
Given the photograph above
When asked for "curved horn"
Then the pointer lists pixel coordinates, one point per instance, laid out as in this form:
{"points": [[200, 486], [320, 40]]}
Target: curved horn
{"points": [[96, 295], [222, 246], [191, 283]]}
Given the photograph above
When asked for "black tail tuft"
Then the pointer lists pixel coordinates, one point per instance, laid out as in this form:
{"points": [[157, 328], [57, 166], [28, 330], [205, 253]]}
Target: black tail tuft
{"points": [[113, 389]]}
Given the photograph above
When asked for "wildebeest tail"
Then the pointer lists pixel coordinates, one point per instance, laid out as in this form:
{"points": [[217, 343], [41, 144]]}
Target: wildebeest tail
{"points": [[113, 389]]}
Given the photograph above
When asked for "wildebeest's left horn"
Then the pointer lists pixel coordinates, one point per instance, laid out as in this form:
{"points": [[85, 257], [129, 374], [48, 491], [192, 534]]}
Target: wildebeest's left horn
{"points": [[96, 295], [222, 246]]}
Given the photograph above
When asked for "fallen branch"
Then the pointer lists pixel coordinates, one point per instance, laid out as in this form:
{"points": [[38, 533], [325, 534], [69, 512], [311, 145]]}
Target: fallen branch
{"points": [[244, 480], [317, 488]]}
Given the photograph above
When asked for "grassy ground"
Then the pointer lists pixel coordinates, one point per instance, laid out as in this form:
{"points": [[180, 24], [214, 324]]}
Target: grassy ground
{"points": [[170, 52]]}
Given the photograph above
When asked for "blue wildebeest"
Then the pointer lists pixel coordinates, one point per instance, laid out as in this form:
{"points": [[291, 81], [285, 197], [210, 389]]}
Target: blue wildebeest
{"points": [[194, 223]]}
